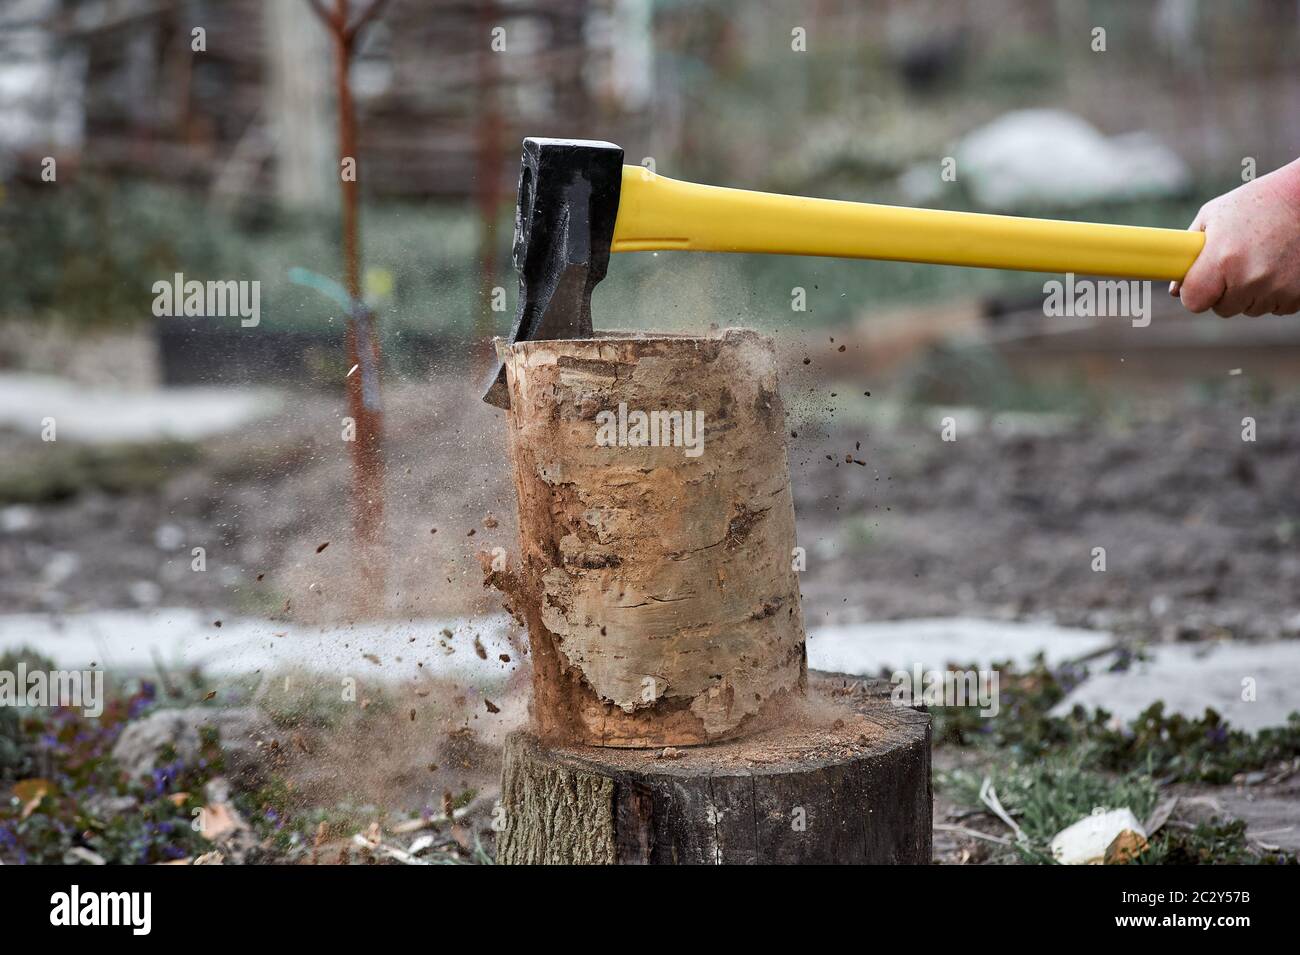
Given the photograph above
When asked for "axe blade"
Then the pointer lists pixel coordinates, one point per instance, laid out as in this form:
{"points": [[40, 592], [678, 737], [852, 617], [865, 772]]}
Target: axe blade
{"points": [[564, 224]]}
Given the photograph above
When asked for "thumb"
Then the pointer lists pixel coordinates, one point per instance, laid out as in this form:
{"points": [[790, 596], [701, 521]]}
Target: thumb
{"points": [[1198, 225]]}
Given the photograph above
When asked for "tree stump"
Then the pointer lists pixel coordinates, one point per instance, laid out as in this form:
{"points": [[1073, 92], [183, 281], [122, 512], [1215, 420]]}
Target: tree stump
{"points": [[657, 537], [846, 780]]}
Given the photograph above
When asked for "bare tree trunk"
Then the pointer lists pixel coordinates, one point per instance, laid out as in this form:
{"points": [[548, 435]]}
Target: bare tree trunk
{"points": [[362, 339]]}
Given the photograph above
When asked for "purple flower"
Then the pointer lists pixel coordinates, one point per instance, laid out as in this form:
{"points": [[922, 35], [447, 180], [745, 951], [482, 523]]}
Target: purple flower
{"points": [[142, 700], [164, 776]]}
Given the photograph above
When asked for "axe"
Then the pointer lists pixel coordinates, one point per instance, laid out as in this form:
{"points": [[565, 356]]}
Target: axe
{"points": [[578, 203]]}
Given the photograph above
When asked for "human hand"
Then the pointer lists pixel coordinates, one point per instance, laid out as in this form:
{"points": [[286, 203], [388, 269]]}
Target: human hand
{"points": [[1251, 261]]}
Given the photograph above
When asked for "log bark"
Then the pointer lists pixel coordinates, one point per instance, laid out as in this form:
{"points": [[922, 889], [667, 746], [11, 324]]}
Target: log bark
{"points": [[656, 537], [847, 781]]}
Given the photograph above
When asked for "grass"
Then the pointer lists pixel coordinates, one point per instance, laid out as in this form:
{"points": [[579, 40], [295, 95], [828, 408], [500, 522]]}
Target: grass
{"points": [[1217, 842], [61, 788], [91, 251], [1045, 797], [1048, 796], [17, 750], [1168, 747], [43, 817], [49, 472], [1050, 771], [58, 777]]}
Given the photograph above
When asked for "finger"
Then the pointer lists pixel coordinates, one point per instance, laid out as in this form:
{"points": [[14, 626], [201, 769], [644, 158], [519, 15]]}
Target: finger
{"points": [[1234, 301], [1260, 306], [1287, 307], [1268, 301], [1202, 286], [1200, 275]]}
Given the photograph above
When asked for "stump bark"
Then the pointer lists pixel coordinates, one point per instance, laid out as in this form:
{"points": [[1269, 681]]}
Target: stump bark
{"points": [[657, 537], [846, 780]]}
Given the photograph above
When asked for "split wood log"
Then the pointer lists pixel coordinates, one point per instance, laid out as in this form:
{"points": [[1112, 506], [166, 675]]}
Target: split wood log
{"points": [[848, 782], [657, 537]]}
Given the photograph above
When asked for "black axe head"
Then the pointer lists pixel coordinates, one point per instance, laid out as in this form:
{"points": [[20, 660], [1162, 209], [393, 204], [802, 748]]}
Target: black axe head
{"points": [[564, 224]]}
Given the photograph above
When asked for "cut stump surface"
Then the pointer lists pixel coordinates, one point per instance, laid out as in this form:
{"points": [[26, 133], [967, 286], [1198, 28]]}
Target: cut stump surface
{"points": [[845, 780]]}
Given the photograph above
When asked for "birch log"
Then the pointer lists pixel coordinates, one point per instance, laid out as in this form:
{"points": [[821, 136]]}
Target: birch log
{"points": [[656, 537]]}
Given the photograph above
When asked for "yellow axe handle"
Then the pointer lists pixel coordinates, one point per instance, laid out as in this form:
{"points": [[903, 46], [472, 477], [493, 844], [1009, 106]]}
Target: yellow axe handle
{"points": [[655, 212]]}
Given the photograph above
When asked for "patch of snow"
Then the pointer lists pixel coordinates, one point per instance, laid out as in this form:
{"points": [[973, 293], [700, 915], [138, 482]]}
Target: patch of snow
{"points": [[866, 649], [1190, 677], [102, 415], [126, 642], [1052, 157], [17, 518]]}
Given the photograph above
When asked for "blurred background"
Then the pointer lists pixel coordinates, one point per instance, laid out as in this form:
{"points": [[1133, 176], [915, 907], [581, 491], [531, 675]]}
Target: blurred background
{"points": [[225, 161], [144, 138]]}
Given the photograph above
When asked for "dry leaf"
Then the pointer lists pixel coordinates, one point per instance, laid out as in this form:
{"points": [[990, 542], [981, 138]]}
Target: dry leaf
{"points": [[30, 792], [1160, 815], [1125, 847], [218, 820]]}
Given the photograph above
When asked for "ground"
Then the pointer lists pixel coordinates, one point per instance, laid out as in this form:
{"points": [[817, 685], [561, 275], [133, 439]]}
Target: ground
{"points": [[1198, 528]]}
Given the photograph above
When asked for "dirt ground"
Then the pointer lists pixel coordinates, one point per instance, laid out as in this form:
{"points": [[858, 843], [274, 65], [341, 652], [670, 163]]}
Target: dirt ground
{"points": [[1199, 528]]}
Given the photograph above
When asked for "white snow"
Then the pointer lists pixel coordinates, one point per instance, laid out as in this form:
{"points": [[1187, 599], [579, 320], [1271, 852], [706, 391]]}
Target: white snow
{"points": [[127, 641], [101, 415], [1052, 157], [1191, 676], [865, 649], [1187, 677]]}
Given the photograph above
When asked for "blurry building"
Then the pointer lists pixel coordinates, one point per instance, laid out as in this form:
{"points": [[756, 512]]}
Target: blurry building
{"points": [[444, 88]]}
